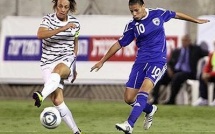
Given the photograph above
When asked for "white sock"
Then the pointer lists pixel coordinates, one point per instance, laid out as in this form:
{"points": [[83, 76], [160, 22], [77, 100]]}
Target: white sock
{"points": [[66, 115], [51, 85]]}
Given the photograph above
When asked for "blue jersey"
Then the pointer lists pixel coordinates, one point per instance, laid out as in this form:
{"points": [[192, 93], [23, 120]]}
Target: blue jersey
{"points": [[149, 34]]}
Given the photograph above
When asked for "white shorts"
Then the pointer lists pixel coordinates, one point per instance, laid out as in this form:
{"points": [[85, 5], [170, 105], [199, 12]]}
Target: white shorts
{"points": [[47, 69]]}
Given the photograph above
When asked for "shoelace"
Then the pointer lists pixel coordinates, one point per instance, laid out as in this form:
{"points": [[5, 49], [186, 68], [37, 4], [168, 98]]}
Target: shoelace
{"points": [[150, 119]]}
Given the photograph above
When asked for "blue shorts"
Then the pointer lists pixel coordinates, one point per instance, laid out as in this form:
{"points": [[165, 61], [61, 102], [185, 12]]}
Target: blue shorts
{"points": [[152, 71]]}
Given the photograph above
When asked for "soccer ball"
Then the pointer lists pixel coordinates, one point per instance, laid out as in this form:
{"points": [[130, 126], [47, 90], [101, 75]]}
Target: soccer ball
{"points": [[50, 117]]}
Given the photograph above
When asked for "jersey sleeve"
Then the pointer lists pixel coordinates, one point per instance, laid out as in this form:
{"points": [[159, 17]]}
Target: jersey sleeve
{"points": [[77, 29], [45, 22], [127, 37], [77, 33], [167, 14]]}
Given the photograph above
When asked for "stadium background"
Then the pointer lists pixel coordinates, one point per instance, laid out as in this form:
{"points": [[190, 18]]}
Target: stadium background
{"points": [[104, 7], [110, 91]]}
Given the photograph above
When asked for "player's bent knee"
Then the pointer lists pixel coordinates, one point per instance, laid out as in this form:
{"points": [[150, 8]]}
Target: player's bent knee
{"points": [[57, 101], [129, 101]]}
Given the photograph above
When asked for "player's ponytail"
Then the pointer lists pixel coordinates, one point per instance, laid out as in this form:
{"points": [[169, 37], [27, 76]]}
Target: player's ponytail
{"points": [[72, 5]]}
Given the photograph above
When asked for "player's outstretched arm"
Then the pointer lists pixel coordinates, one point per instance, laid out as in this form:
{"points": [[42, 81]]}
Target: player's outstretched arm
{"points": [[113, 49], [186, 17]]}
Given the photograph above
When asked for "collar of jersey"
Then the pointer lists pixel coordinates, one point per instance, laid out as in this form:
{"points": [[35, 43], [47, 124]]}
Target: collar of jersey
{"points": [[55, 16], [147, 14]]}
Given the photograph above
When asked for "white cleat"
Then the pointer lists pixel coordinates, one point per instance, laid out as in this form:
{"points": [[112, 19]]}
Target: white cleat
{"points": [[212, 103], [125, 127], [200, 102], [148, 118]]}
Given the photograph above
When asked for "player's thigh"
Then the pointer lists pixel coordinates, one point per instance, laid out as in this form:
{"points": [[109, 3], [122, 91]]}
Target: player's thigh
{"points": [[66, 67], [149, 71], [147, 85], [153, 73], [62, 69], [136, 76]]}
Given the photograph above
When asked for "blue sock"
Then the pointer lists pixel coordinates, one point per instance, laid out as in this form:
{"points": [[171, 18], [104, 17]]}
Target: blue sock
{"points": [[132, 104], [138, 108], [148, 108]]}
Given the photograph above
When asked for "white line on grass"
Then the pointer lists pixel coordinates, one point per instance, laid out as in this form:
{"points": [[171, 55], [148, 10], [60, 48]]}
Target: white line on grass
{"points": [[18, 132]]}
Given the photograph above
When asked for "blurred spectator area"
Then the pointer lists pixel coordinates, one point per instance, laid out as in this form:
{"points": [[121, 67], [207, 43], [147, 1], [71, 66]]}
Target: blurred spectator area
{"points": [[106, 7]]}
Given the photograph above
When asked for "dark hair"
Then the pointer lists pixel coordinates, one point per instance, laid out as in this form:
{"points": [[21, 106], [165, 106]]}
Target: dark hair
{"points": [[72, 7], [132, 2]]}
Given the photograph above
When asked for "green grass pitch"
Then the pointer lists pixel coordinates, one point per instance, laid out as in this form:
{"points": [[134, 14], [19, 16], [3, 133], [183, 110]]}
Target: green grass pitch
{"points": [[93, 117]]}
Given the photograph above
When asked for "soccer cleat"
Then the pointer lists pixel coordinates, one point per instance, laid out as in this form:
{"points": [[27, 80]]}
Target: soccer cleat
{"points": [[212, 103], [37, 96], [148, 118], [125, 127], [200, 102], [78, 132]]}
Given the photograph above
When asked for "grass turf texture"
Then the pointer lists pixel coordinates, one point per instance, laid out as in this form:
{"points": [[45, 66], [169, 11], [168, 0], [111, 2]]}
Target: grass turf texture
{"points": [[93, 117]]}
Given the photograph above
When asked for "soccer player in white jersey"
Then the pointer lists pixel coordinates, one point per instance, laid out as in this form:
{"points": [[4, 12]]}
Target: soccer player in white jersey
{"points": [[147, 27], [59, 32]]}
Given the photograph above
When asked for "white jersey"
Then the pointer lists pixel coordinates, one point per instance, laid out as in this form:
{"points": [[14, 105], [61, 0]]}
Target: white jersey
{"points": [[60, 45]]}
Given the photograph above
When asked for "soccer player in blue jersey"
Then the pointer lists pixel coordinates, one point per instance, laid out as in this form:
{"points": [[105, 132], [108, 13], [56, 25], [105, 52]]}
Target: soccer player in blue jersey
{"points": [[147, 27]]}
